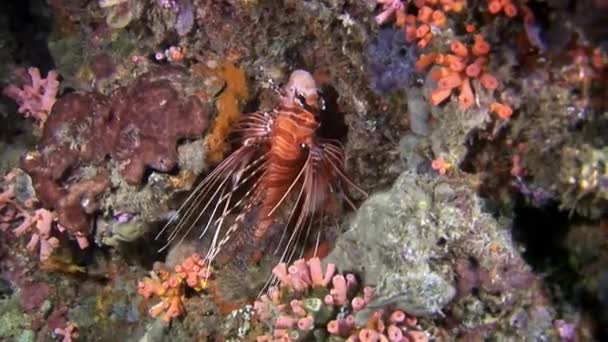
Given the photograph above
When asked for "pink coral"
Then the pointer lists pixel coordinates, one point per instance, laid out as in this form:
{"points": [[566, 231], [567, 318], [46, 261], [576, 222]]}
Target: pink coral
{"points": [[7, 213], [39, 222], [309, 298], [69, 333], [390, 8], [37, 98], [302, 274]]}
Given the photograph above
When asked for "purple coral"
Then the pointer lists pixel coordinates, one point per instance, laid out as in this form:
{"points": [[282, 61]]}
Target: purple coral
{"points": [[35, 95], [390, 61], [185, 17]]}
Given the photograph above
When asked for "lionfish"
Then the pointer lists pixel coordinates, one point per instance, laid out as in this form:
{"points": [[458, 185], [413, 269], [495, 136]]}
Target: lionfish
{"points": [[282, 165]]}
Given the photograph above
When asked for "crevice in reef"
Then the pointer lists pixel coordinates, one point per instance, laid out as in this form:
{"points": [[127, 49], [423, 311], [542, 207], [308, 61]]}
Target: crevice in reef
{"points": [[30, 23], [551, 246]]}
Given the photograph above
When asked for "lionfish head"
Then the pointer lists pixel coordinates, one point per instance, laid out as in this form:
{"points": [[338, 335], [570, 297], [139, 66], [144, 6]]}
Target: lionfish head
{"points": [[301, 91]]}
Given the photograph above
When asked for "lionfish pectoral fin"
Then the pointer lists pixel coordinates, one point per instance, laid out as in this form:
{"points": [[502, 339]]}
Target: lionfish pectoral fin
{"points": [[333, 156], [215, 192], [237, 245]]}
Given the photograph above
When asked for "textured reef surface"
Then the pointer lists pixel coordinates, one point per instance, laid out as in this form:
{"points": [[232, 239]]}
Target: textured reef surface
{"points": [[477, 128]]}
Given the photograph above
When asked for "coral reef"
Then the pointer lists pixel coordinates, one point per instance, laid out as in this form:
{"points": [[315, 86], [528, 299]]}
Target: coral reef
{"points": [[477, 126]]}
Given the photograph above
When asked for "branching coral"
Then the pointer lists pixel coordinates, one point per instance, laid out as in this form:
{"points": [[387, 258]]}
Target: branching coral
{"points": [[34, 95], [170, 287], [39, 222], [310, 301]]}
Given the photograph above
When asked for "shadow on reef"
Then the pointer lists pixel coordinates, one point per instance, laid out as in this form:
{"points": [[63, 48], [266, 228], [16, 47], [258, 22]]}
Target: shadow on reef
{"points": [[30, 43], [552, 246]]}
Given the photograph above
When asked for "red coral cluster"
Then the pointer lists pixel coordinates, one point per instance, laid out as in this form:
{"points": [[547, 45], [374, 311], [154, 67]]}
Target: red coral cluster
{"points": [[170, 287], [136, 127], [457, 69], [466, 61]]}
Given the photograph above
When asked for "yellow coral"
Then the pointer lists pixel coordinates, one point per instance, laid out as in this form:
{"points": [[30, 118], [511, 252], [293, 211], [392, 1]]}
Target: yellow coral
{"points": [[228, 109]]}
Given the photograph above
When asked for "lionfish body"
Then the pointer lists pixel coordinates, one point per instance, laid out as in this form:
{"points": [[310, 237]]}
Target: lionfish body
{"points": [[281, 166]]}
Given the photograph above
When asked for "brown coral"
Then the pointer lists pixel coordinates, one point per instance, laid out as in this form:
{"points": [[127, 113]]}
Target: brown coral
{"points": [[136, 127]]}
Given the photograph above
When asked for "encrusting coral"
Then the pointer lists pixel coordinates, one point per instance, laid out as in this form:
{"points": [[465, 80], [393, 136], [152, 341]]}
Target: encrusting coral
{"points": [[228, 103], [136, 128]]}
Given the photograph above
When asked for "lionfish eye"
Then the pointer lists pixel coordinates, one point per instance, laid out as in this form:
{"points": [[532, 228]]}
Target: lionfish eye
{"points": [[301, 99]]}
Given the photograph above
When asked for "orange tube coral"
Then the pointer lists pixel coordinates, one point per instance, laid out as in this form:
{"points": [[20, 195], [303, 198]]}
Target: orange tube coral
{"points": [[510, 10], [455, 63], [459, 49], [449, 82], [424, 14], [488, 81], [422, 30], [466, 97], [473, 70], [439, 18], [503, 111], [424, 61], [480, 46], [494, 7], [438, 96]]}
